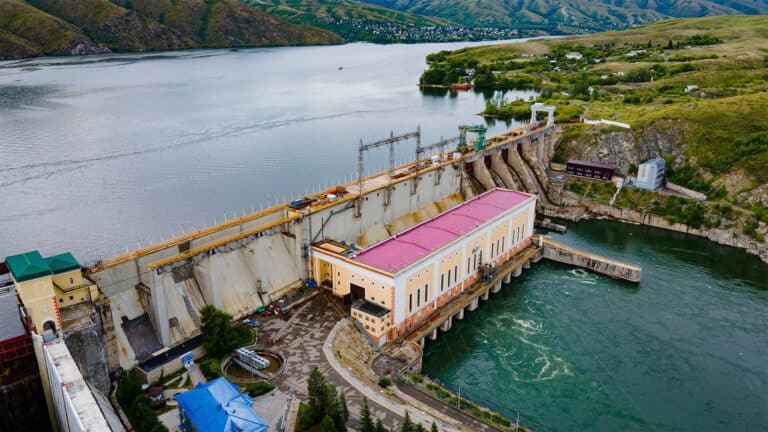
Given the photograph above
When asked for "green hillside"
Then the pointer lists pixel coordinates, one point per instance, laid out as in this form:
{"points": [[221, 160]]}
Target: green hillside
{"points": [[67, 27], [354, 20], [570, 16], [26, 31], [694, 91]]}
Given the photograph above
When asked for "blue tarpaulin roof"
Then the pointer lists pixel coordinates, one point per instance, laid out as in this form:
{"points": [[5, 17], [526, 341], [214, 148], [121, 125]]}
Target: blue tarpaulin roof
{"points": [[217, 406]]}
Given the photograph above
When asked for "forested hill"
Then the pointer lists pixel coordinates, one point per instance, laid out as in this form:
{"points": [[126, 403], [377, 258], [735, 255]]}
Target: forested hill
{"points": [[570, 16], [66, 27]]}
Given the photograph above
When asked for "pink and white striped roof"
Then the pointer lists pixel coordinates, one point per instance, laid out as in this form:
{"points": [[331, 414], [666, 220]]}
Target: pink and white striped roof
{"points": [[398, 252]]}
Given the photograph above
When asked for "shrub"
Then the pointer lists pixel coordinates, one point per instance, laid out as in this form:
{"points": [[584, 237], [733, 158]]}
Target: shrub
{"points": [[211, 368], [259, 388], [305, 418], [385, 382], [136, 405]]}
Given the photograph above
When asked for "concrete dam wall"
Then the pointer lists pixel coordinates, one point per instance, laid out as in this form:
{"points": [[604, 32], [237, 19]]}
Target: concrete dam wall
{"points": [[155, 293]]}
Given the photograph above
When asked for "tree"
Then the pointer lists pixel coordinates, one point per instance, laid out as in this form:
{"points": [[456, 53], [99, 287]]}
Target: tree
{"points": [[434, 428], [219, 337], [366, 422], [669, 44], [326, 401], [380, 426], [316, 390], [343, 410], [327, 425], [408, 425]]}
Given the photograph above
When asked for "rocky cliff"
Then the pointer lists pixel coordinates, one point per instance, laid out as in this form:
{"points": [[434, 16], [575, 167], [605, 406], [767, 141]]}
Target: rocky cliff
{"points": [[626, 147]]}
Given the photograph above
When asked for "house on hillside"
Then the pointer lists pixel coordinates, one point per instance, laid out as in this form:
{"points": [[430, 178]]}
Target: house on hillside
{"points": [[574, 56]]}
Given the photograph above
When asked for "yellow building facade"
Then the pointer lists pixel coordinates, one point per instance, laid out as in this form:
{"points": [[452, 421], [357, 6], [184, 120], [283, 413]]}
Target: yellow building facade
{"points": [[45, 285], [396, 284]]}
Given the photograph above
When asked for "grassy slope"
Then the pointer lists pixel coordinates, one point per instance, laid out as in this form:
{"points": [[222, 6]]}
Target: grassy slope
{"points": [[227, 23], [117, 27], [308, 11], [61, 27], [738, 79], [569, 16], [25, 30]]}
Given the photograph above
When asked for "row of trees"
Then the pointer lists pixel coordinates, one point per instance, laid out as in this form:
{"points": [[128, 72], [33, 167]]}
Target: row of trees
{"points": [[328, 407], [367, 424]]}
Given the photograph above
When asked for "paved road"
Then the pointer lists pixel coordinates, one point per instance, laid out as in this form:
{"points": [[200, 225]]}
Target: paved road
{"points": [[420, 417], [301, 343]]}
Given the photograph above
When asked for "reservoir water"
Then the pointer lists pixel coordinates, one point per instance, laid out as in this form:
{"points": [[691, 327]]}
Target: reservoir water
{"points": [[685, 350], [100, 154]]}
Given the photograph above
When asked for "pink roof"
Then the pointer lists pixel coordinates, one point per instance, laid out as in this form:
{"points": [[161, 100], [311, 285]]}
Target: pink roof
{"points": [[398, 252]]}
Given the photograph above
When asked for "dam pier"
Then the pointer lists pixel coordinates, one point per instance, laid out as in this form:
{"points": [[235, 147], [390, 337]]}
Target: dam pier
{"points": [[406, 251]]}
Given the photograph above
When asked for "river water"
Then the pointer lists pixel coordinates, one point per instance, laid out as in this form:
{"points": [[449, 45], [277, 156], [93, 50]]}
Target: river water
{"points": [[685, 350], [101, 154]]}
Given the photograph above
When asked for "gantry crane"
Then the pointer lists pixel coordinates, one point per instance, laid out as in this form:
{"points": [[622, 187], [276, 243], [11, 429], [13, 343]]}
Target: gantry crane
{"points": [[478, 129]]}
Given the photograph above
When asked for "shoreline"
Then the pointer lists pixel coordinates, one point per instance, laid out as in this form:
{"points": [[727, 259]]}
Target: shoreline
{"points": [[723, 237]]}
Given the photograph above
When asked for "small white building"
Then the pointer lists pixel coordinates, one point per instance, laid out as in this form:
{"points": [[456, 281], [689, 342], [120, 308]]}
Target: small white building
{"points": [[574, 56], [650, 174], [691, 87]]}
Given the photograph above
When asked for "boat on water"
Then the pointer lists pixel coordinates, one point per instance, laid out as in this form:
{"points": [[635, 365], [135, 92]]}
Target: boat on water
{"points": [[461, 86]]}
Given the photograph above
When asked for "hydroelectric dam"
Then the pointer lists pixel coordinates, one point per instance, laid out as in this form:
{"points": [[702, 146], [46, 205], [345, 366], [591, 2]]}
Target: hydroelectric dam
{"points": [[145, 304], [239, 265]]}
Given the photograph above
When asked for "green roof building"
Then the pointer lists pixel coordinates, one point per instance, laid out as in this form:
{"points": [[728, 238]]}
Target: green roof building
{"points": [[28, 266], [62, 263], [32, 265], [44, 285]]}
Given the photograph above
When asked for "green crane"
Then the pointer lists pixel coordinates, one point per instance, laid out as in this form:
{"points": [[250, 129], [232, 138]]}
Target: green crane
{"points": [[478, 129]]}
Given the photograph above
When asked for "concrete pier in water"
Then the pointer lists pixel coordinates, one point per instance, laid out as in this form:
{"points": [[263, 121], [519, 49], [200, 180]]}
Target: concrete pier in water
{"points": [[561, 253]]}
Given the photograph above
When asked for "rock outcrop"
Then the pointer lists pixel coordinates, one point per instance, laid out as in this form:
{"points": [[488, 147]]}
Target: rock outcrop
{"points": [[627, 147]]}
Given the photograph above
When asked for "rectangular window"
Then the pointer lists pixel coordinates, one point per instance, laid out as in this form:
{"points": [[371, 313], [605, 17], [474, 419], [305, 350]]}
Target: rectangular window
{"points": [[426, 292], [474, 263], [502, 243], [410, 302], [442, 282], [418, 297], [449, 278], [469, 263], [455, 273], [480, 258], [492, 245]]}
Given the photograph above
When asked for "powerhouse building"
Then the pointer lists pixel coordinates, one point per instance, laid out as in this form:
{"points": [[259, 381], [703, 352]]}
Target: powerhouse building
{"points": [[397, 283]]}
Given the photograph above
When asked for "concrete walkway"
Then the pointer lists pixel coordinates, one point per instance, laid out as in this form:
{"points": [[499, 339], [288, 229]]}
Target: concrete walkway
{"points": [[378, 397]]}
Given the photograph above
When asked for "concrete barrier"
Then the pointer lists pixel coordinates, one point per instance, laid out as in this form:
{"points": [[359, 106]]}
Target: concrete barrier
{"points": [[561, 253]]}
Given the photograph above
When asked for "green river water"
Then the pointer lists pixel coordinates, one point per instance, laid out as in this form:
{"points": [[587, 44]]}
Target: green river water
{"points": [[684, 350]]}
